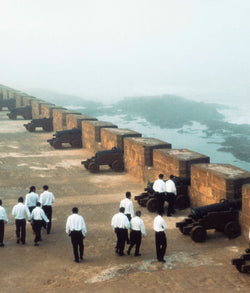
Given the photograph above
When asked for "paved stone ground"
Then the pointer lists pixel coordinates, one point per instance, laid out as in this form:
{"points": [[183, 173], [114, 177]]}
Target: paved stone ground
{"points": [[27, 159]]}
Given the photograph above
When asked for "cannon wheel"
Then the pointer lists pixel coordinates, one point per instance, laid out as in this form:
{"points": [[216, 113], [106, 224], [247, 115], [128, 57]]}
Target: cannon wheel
{"points": [[232, 229], [118, 166], [198, 234], [31, 128], [57, 145], [182, 201], [93, 167], [152, 205], [12, 116]]}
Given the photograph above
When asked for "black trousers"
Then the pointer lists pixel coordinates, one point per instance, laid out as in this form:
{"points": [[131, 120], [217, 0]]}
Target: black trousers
{"points": [[48, 213], [21, 229], [121, 234], [1, 231], [160, 197], [77, 243], [135, 239], [37, 226], [161, 245], [170, 197]]}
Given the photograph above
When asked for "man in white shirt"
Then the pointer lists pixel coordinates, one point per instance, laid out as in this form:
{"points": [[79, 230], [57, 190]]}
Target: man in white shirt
{"points": [[20, 211], [159, 188], [160, 238], [127, 204], [3, 218], [37, 218], [120, 224], [170, 195], [47, 199], [137, 230], [77, 230], [31, 198]]}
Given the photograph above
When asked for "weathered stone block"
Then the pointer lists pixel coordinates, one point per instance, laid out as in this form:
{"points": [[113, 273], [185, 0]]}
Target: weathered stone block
{"points": [[36, 108], [47, 110], [91, 134], [138, 156], [114, 137], [59, 118], [27, 100], [176, 161], [212, 182], [75, 120]]}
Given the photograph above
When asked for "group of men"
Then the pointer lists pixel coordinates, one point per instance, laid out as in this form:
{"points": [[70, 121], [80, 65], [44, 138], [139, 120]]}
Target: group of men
{"points": [[37, 209]]}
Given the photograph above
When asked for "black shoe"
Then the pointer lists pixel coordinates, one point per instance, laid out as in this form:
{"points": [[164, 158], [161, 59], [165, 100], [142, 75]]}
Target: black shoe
{"points": [[81, 258], [121, 254], [23, 243], [36, 244], [128, 252], [76, 260], [161, 260], [137, 254], [48, 232]]}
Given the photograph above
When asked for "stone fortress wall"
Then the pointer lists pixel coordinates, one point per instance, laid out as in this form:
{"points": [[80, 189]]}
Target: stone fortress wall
{"points": [[146, 157]]}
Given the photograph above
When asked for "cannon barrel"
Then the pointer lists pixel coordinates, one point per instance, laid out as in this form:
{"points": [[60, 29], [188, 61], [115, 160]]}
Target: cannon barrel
{"points": [[68, 131], [223, 205]]}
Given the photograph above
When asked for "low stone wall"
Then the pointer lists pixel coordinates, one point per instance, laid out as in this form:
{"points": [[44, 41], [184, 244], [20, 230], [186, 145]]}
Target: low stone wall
{"points": [[114, 137], [59, 118], [75, 120], [36, 108], [47, 110], [245, 214]]}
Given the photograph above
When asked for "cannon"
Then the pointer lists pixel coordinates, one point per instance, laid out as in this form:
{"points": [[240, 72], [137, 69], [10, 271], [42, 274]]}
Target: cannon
{"points": [[242, 263], [113, 158], [72, 137], [10, 104], [45, 123], [26, 112], [222, 216], [148, 198]]}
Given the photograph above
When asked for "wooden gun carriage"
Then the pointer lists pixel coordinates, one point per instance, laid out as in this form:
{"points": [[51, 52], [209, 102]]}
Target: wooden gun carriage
{"points": [[113, 158], [45, 123], [148, 198], [242, 263], [26, 112], [222, 216], [72, 137]]}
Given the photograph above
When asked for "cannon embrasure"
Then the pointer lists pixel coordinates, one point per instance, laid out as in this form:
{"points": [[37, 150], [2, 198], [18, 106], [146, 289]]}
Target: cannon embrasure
{"points": [[242, 263], [10, 104], [45, 123], [222, 216], [26, 112], [72, 137], [113, 158], [148, 198]]}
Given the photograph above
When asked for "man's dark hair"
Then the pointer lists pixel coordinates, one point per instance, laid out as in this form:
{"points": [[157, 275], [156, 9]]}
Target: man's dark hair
{"points": [[128, 194], [32, 188], [75, 210], [138, 213], [38, 204], [122, 210], [171, 176], [20, 199], [161, 176], [45, 187]]}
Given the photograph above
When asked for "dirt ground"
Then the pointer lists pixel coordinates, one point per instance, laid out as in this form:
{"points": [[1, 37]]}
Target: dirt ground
{"points": [[27, 159]]}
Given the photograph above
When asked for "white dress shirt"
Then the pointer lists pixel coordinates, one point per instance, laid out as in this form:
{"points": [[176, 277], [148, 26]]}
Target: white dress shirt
{"points": [[76, 222], [3, 215], [31, 199], [47, 198], [159, 224], [159, 186], [127, 204], [137, 224], [38, 214], [170, 186], [119, 220], [20, 211]]}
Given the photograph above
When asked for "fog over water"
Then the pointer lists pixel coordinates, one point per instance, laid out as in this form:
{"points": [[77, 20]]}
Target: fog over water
{"points": [[106, 50]]}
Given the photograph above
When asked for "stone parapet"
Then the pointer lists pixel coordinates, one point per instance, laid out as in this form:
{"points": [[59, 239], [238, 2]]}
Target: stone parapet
{"points": [[91, 134], [36, 108], [27, 100], [245, 214], [176, 161], [114, 137], [212, 182], [75, 120], [138, 156], [59, 118], [47, 110]]}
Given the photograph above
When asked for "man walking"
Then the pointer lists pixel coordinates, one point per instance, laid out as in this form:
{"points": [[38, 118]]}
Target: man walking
{"points": [[159, 188], [76, 228], [3, 218], [127, 204], [38, 216], [170, 195], [31, 198], [120, 224], [47, 199], [160, 238], [137, 229], [20, 211]]}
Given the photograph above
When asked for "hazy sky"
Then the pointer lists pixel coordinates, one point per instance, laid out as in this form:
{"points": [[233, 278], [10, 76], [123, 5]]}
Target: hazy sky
{"points": [[106, 49]]}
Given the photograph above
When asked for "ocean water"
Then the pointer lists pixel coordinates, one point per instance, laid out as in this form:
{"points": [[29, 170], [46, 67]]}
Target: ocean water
{"points": [[236, 113]]}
